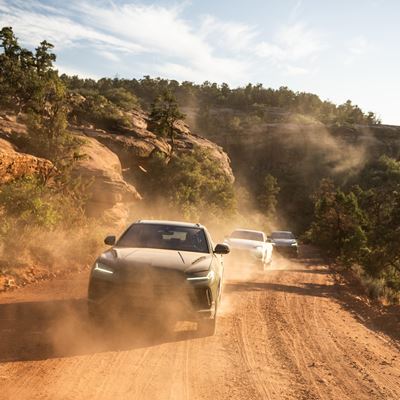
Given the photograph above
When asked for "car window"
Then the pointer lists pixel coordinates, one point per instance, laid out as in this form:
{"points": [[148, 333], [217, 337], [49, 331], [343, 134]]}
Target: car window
{"points": [[282, 235], [248, 235], [165, 237]]}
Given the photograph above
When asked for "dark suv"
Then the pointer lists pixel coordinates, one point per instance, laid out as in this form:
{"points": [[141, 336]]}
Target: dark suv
{"points": [[285, 243]]}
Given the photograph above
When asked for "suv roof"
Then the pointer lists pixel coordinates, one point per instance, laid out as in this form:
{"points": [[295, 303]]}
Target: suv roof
{"points": [[166, 222], [248, 230]]}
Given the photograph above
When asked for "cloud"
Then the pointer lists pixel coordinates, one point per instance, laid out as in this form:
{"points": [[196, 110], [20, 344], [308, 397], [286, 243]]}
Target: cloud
{"points": [[295, 10], [32, 25], [68, 70], [298, 41], [184, 51], [153, 28], [159, 39], [356, 48], [292, 50], [215, 70], [358, 45], [293, 42], [269, 50], [109, 56], [230, 35], [292, 70], [122, 30]]}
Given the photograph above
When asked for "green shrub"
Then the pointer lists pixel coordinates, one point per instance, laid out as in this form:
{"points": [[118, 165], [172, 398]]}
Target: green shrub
{"points": [[33, 201], [361, 225], [122, 98], [192, 183], [29, 200], [98, 110], [338, 223], [44, 223]]}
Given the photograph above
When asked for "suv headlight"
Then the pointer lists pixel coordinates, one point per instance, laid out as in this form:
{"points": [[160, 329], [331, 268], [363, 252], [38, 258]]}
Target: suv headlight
{"points": [[103, 268], [259, 251], [294, 244], [202, 276]]}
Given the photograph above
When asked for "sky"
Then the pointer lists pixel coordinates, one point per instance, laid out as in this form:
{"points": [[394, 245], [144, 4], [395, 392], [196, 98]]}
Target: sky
{"points": [[337, 49]]}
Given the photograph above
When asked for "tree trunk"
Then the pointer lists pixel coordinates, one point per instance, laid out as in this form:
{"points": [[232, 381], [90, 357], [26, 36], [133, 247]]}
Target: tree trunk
{"points": [[171, 136]]}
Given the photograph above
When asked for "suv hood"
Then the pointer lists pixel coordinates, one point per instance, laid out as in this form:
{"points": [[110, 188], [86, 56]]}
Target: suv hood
{"points": [[185, 261], [284, 242], [244, 243]]}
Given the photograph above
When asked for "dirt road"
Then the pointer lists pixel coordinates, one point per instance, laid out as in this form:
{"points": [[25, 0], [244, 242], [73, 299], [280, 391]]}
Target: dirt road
{"points": [[289, 333]]}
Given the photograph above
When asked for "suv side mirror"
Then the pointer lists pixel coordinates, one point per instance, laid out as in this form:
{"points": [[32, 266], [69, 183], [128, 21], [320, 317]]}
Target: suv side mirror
{"points": [[110, 240], [222, 249]]}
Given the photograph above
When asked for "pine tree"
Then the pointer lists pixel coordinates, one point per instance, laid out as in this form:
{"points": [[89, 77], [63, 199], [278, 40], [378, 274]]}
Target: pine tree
{"points": [[164, 114]]}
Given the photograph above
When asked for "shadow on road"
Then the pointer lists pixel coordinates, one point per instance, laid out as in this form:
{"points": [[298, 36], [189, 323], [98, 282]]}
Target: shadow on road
{"points": [[306, 289], [51, 329]]}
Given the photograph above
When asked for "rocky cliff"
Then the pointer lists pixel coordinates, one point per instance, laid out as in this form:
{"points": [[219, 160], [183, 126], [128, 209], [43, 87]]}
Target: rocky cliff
{"points": [[14, 164], [136, 146], [110, 160]]}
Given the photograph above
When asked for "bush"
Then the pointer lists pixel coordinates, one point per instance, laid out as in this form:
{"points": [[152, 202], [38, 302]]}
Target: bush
{"points": [[44, 223], [98, 110], [122, 98], [362, 225], [191, 183], [54, 249], [48, 204], [338, 223], [30, 201]]}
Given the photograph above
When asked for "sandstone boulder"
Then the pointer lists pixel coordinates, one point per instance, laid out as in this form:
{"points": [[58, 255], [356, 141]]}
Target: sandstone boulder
{"points": [[15, 165], [101, 170]]}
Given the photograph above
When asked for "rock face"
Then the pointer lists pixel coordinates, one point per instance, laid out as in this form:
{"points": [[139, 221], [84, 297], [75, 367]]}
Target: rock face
{"points": [[186, 143], [110, 196], [15, 165], [135, 146], [108, 191]]}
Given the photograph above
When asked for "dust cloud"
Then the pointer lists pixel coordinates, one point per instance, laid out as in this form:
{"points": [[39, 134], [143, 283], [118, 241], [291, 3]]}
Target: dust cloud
{"points": [[343, 155], [52, 250], [60, 325], [72, 333]]}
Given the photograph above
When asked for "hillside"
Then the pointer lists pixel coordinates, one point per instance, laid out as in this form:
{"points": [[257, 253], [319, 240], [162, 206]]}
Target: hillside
{"points": [[113, 168], [299, 155], [81, 156], [115, 163]]}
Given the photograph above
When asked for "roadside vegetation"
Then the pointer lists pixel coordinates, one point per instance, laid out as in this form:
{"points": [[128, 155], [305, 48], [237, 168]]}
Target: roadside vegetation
{"points": [[359, 224], [46, 208], [191, 186]]}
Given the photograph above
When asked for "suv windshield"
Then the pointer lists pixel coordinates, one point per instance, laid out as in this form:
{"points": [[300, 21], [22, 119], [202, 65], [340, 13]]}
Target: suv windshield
{"points": [[248, 235], [165, 237], [282, 235]]}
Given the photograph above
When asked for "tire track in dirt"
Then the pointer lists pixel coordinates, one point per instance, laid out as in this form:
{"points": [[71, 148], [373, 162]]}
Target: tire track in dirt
{"points": [[282, 334], [322, 363], [250, 365]]}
